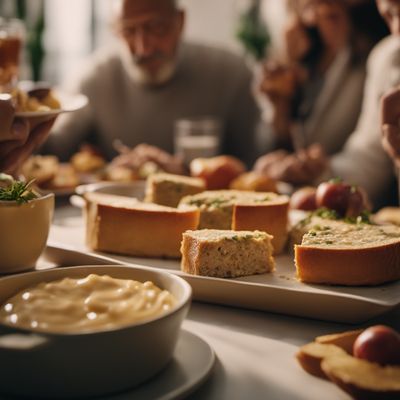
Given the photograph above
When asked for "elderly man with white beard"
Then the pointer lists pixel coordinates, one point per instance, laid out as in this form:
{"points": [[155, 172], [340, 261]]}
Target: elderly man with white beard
{"points": [[138, 90]]}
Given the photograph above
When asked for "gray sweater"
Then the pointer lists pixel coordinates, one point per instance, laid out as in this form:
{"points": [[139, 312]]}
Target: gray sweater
{"points": [[207, 82]]}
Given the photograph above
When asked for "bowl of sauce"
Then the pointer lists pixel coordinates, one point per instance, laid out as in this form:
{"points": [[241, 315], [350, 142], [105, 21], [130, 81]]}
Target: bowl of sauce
{"points": [[87, 331]]}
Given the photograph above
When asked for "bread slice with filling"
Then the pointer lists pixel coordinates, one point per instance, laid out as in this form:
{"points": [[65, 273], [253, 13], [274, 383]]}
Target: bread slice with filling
{"points": [[226, 254], [127, 226], [243, 210], [342, 253]]}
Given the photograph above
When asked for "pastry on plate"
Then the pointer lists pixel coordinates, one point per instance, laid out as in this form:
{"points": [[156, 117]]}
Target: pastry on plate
{"points": [[243, 211], [226, 254], [123, 225]]}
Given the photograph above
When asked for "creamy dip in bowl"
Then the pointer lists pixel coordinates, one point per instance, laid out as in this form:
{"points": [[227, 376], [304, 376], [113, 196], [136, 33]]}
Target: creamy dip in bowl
{"points": [[116, 349]]}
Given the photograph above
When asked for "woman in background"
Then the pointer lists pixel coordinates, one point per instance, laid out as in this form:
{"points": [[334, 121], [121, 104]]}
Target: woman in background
{"points": [[315, 95]]}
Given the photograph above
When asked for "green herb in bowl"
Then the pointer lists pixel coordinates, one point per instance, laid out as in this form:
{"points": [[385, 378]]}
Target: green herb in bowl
{"points": [[18, 191]]}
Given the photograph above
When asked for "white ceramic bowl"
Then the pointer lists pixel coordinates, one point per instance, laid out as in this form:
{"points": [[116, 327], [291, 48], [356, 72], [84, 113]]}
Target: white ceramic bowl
{"points": [[94, 363], [24, 229]]}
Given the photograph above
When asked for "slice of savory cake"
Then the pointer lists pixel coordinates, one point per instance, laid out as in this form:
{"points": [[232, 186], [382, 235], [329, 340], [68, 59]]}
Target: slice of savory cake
{"points": [[338, 252], [243, 210], [123, 225], [168, 189], [226, 254]]}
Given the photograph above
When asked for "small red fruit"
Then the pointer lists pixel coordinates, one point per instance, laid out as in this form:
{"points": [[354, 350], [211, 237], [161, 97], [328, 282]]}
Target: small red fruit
{"points": [[346, 200], [379, 344], [304, 199]]}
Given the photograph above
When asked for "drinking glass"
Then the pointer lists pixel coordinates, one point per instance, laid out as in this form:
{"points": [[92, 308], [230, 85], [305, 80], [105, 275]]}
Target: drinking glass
{"points": [[197, 137], [12, 34]]}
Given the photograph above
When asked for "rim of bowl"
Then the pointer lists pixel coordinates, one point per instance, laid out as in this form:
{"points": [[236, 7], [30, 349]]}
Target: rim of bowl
{"points": [[13, 203], [182, 302], [94, 187]]}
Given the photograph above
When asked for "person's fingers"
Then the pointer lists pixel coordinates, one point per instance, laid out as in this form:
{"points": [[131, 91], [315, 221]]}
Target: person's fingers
{"points": [[14, 153], [19, 136], [41, 132], [391, 141], [390, 107], [6, 117]]}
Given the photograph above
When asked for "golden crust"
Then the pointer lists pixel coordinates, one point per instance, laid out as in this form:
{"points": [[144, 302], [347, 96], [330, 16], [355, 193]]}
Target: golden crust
{"points": [[349, 266], [271, 218], [138, 231]]}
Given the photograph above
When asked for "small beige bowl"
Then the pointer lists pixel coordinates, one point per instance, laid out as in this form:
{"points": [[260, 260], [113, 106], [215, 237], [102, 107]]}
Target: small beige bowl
{"points": [[56, 365], [24, 229]]}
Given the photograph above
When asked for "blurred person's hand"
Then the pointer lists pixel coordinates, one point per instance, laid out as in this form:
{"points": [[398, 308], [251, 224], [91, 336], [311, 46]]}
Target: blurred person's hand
{"points": [[301, 168], [390, 121], [143, 153], [278, 83], [19, 137]]}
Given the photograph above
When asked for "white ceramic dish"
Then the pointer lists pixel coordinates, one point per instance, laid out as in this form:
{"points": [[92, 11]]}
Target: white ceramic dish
{"points": [[278, 292], [92, 363], [190, 366]]}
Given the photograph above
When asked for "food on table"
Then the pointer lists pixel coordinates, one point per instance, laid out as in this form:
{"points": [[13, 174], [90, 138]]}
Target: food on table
{"points": [[344, 340], [39, 99], [121, 225], [140, 162], [388, 215], [65, 178], [218, 172], [311, 356], [226, 253], [254, 181], [331, 357], [243, 211], [49, 173], [169, 189], [304, 199], [344, 253], [347, 200], [96, 302], [41, 168], [379, 344], [87, 159], [362, 379]]}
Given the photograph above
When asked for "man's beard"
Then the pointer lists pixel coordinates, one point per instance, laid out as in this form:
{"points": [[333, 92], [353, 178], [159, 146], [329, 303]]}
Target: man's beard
{"points": [[139, 74]]}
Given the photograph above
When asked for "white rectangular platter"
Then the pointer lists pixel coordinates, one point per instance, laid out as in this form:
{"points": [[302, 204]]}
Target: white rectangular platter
{"points": [[278, 292]]}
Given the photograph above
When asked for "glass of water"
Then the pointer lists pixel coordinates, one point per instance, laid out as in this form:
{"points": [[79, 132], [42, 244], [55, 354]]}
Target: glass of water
{"points": [[197, 137]]}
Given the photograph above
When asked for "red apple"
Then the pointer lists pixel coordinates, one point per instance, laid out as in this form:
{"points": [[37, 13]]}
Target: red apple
{"points": [[345, 199], [379, 344], [304, 199]]}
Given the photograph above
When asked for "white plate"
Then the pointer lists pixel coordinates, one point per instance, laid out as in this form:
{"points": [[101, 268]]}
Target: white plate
{"points": [[277, 292], [69, 103], [192, 363]]}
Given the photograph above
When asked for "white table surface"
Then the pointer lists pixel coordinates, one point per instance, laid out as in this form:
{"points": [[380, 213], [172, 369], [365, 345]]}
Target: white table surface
{"points": [[255, 352]]}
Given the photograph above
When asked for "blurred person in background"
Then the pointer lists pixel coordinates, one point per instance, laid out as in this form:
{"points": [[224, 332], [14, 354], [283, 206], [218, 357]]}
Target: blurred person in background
{"points": [[19, 137], [138, 90], [362, 161], [315, 94]]}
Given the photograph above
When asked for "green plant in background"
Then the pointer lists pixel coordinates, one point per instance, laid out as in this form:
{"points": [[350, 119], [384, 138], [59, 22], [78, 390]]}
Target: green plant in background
{"points": [[35, 32], [252, 32]]}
